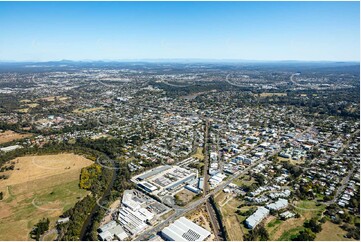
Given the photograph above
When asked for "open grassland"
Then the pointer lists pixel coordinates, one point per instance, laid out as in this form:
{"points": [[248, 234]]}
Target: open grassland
{"points": [[199, 154], [232, 221], [39, 186], [52, 98], [87, 110], [244, 181], [185, 196], [286, 230], [32, 105], [331, 231], [23, 110], [291, 161], [10, 135], [271, 94]]}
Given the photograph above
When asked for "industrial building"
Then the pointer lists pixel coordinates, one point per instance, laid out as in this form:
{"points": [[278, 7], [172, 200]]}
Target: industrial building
{"points": [[253, 220], [136, 213], [184, 230], [165, 180], [111, 231]]}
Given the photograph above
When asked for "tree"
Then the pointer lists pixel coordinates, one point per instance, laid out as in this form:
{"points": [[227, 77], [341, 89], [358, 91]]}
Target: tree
{"points": [[40, 228], [263, 234], [305, 235], [314, 225]]}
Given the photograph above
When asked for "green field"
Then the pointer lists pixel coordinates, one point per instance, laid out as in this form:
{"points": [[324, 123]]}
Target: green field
{"points": [[28, 208], [39, 187], [290, 234], [199, 154], [286, 230]]}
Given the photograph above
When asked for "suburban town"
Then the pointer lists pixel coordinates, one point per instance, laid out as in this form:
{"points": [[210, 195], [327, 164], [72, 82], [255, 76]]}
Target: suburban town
{"points": [[179, 152]]}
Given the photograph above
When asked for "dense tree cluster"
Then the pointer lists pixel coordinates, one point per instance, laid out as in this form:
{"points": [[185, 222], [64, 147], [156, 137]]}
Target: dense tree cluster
{"points": [[78, 214], [258, 233], [89, 175], [40, 228], [305, 235]]}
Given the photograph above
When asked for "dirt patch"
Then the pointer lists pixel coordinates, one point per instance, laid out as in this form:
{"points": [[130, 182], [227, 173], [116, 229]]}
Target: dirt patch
{"points": [[87, 110], [278, 230], [200, 217], [185, 196], [10, 135], [234, 229], [271, 94], [331, 232]]}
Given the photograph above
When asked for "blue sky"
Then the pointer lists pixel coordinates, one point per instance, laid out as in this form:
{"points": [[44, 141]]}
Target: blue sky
{"points": [[208, 30]]}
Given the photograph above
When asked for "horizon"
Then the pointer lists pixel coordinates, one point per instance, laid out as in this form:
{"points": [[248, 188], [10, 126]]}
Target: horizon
{"points": [[230, 31], [182, 60]]}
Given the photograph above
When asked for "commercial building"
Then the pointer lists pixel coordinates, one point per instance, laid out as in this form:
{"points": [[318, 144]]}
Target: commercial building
{"points": [[184, 230]]}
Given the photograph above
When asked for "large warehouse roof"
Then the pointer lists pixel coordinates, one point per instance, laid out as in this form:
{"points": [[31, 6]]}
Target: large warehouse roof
{"points": [[153, 172], [184, 230]]}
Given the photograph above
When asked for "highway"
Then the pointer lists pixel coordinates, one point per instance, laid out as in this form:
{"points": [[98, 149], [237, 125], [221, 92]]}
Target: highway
{"points": [[293, 81]]}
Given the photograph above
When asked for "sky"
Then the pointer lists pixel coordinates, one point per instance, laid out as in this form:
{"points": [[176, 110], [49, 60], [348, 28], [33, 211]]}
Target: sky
{"points": [[309, 31]]}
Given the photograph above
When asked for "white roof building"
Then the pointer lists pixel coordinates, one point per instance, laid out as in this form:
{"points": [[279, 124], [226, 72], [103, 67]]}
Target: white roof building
{"points": [[133, 221], [108, 226], [128, 201], [10, 148], [280, 204], [184, 230], [119, 232], [106, 236], [253, 220]]}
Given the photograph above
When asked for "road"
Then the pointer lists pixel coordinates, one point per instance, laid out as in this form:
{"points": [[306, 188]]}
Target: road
{"points": [[230, 83], [342, 187], [52, 231], [293, 81]]}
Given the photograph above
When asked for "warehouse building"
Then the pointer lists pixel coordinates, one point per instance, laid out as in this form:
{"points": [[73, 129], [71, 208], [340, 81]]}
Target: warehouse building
{"points": [[165, 180], [184, 230], [152, 172]]}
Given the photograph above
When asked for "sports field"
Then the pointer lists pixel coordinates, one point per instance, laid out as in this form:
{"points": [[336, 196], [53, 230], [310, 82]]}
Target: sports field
{"points": [[39, 186]]}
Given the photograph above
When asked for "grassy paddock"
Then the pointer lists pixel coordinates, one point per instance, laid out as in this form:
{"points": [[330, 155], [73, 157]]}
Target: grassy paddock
{"points": [[37, 191]]}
